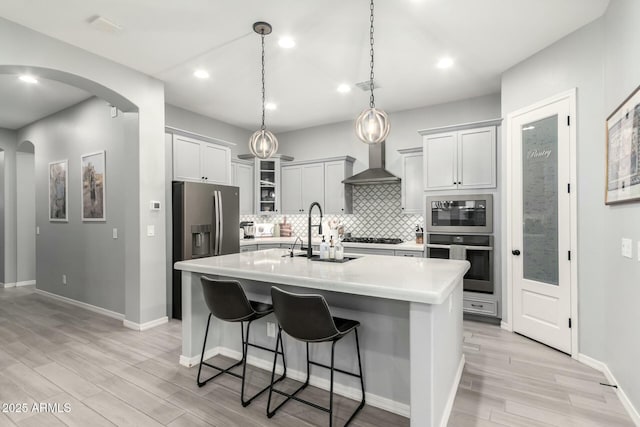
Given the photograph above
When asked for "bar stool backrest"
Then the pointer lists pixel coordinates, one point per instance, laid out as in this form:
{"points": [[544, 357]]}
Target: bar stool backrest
{"points": [[305, 317], [226, 299]]}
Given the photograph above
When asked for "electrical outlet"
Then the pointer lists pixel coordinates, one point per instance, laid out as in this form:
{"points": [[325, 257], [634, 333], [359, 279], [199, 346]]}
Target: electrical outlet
{"points": [[271, 329], [64, 279], [627, 248]]}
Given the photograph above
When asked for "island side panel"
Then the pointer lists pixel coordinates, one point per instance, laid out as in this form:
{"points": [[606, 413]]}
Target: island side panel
{"points": [[436, 354]]}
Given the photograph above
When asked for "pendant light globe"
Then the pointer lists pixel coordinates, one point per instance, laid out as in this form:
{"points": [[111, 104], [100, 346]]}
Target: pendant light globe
{"points": [[372, 126], [263, 144]]}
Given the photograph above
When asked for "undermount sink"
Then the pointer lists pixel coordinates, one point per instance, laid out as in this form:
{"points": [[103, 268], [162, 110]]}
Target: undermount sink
{"points": [[317, 258]]}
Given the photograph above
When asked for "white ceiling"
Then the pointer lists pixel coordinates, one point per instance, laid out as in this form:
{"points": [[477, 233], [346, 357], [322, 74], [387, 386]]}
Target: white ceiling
{"points": [[170, 39], [23, 103]]}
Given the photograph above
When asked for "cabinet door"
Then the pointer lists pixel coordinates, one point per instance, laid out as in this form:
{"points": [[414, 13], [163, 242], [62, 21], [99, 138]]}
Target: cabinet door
{"points": [[312, 185], [244, 180], [334, 190], [216, 163], [291, 179], [186, 159], [477, 158], [412, 183], [440, 161]]}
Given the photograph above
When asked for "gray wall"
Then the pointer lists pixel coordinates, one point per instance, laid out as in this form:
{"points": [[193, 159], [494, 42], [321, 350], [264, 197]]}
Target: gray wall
{"points": [[93, 261], [339, 139], [26, 215], [8, 200], [600, 60], [622, 76]]}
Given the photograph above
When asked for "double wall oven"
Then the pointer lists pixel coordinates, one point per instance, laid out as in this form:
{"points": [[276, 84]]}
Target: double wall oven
{"points": [[461, 227]]}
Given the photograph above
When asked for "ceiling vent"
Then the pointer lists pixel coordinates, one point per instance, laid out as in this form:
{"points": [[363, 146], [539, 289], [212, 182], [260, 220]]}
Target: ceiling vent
{"points": [[365, 85], [103, 24]]}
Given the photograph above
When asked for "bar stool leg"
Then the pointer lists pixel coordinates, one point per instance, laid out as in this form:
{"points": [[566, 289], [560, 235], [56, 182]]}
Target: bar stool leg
{"points": [[202, 362], [273, 373], [333, 348], [245, 351]]}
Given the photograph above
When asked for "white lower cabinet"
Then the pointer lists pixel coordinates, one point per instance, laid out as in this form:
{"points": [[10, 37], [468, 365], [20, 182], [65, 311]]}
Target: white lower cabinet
{"points": [[478, 306], [248, 248], [414, 254]]}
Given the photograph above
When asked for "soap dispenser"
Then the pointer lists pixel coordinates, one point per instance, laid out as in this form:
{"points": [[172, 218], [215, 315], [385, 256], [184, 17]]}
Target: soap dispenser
{"points": [[332, 249], [324, 249], [339, 251]]}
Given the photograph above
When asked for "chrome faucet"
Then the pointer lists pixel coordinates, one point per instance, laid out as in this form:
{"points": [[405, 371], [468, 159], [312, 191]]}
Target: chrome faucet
{"points": [[309, 247]]}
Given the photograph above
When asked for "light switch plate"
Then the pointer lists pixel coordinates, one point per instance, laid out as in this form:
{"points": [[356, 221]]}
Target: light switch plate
{"points": [[627, 248], [151, 230], [37, 230], [115, 233]]}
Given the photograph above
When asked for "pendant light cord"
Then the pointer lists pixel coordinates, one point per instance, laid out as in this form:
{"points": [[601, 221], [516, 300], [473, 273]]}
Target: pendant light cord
{"points": [[263, 127], [372, 102]]}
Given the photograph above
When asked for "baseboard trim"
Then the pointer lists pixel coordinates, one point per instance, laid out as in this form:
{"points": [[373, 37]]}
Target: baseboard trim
{"points": [[26, 283], [506, 326], [140, 327], [8, 285], [446, 414], [384, 403], [93, 308], [602, 367]]}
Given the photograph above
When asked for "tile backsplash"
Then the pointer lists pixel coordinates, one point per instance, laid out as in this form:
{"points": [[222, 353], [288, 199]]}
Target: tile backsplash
{"points": [[377, 212]]}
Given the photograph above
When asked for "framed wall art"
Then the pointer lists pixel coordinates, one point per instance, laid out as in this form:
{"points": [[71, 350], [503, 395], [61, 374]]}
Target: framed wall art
{"points": [[93, 186], [623, 152], [58, 194]]}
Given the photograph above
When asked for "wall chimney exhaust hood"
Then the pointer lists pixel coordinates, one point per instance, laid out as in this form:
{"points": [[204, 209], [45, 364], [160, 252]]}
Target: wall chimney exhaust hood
{"points": [[376, 174]]}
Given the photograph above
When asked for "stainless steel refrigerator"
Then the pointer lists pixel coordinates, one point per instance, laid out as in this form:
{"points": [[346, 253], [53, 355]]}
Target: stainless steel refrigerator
{"points": [[206, 218]]}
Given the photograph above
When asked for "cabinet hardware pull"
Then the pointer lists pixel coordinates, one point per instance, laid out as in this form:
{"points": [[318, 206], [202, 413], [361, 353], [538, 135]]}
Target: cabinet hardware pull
{"points": [[477, 305]]}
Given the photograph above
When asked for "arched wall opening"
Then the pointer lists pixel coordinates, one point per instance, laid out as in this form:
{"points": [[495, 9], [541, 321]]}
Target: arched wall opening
{"points": [[25, 51]]}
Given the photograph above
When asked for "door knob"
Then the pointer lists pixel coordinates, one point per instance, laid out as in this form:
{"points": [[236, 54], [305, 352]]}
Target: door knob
{"points": [[516, 252]]}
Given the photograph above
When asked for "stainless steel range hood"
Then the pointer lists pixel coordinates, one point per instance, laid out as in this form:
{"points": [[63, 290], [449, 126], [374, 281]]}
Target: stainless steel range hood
{"points": [[376, 174]]}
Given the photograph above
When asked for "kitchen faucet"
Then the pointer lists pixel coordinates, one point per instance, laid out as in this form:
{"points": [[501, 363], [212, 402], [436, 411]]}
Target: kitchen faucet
{"points": [[309, 247], [294, 246]]}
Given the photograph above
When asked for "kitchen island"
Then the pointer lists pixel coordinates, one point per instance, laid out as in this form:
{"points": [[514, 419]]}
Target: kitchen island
{"points": [[410, 310]]}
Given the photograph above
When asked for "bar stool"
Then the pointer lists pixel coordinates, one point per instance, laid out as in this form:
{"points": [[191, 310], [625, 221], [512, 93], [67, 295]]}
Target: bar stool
{"points": [[307, 318], [227, 301]]}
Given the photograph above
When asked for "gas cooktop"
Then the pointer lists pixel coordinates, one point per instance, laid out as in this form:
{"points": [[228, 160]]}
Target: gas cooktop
{"points": [[385, 240]]}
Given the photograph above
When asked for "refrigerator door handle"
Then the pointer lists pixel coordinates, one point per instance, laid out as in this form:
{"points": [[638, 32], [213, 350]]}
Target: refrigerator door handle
{"points": [[220, 222], [215, 223]]}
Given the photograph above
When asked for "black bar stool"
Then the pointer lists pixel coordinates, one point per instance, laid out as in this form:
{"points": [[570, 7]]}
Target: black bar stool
{"points": [[227, 301], [307, 318]]}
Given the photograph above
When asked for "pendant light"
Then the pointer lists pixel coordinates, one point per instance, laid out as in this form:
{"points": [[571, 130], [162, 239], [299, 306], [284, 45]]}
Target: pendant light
{"points": [[263, 143], [372, 125]]}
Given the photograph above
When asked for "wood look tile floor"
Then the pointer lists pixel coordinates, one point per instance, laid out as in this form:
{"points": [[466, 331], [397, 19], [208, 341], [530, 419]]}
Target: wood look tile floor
{"points": [[55, 353]]}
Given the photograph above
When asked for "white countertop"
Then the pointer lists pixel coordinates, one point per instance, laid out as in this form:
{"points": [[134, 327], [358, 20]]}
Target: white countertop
{"points": [[422, 280], [404, 246]]}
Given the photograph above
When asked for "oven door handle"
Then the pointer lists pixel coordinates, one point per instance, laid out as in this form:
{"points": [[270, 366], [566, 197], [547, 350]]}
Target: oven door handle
{"points": [[478, 248], [436, 246]]}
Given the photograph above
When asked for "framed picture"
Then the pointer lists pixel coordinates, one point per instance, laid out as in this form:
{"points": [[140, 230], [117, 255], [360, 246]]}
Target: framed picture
{"points": [[93, 176], [623, 152], [58, 194]]}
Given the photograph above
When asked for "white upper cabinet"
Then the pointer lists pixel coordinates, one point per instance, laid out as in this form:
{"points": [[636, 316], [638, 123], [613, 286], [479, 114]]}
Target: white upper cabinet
{"points": [[301, 186], [460, 157], [243, 177], [200, 161], [319, 181], [412, 180], [338, 197]]}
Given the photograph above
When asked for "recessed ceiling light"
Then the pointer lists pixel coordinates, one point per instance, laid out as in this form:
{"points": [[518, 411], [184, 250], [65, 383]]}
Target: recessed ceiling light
{"points": [[344, 88], [445, 63], [270, 106], [28, 79], [286, 42], [201, 74]]}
